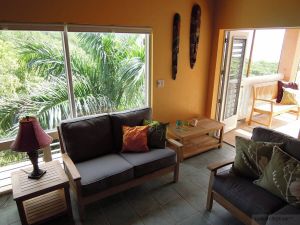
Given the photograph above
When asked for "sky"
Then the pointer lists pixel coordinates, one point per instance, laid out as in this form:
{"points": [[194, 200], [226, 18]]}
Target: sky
{"points": [[268, 44]]}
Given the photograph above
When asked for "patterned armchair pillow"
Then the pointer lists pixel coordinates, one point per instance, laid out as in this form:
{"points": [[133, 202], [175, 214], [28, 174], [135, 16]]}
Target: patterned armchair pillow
{"points": [[282, 177], [252, 157]]}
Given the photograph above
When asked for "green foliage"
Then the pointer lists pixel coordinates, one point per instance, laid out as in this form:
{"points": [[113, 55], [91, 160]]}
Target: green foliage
{"points": [[263, 68], [8, 156], [108, 74]]}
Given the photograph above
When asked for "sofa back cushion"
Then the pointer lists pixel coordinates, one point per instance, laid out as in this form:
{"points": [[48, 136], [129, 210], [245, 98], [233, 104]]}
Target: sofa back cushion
{"points": [[87, 137], [291, 145], [127, 118]]}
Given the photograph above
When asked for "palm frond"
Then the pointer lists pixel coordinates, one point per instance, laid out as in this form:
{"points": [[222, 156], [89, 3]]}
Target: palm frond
{"points": [[42, 59]]}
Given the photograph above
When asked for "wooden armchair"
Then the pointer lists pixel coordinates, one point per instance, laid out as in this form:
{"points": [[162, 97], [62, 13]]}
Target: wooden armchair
{"points": [[264, 102], [214, 195]]}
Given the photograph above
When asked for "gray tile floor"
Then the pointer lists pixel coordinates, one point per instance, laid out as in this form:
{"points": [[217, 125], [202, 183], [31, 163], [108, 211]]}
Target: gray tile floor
{"points": [[158, 202]]}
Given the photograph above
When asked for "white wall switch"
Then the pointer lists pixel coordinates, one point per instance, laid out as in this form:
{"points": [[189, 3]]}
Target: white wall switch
{"points": [[160, 83]]}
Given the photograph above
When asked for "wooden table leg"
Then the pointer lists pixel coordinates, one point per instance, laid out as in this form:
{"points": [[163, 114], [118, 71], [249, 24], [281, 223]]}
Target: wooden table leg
{"points": [[221, 137], [68, 201], [22, 212]]}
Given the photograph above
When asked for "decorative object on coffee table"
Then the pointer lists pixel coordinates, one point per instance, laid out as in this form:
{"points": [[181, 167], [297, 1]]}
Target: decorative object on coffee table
{"points": [[41, 200], [194, 33], [30, 138], [197, 139], [175, 44]]}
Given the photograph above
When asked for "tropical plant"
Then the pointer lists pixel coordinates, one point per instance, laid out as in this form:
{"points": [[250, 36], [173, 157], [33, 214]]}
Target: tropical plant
{"points": [[108, 74]]}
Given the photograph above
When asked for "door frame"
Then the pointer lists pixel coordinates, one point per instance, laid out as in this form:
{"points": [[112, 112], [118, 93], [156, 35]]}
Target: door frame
{"points": [[224, 73]]}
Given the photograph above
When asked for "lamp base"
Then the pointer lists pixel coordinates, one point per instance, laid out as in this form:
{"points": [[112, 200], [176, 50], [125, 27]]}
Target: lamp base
{"points": [[36, 174]]}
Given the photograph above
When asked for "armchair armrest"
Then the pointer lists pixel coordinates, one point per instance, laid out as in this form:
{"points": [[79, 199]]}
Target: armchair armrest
{"points": [[71, 167], [217, 165], [264, 100]]}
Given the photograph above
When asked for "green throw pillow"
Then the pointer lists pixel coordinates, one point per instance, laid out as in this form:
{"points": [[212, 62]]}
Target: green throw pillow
{"points": [[156, 133], [282, 177], [251, 157]]}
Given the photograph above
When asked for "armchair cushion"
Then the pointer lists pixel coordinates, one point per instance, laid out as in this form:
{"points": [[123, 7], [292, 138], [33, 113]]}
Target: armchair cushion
{"points": [[103, 172], [128, 118], [155, 159], [246, 196], [85, 138]]}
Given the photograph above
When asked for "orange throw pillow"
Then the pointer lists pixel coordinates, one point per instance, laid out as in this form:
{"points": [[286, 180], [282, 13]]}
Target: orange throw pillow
{"points": [[135, 139]]}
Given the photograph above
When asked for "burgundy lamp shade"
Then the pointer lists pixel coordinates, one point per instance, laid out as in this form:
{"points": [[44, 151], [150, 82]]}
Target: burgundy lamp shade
{"points": [[31, 136]]}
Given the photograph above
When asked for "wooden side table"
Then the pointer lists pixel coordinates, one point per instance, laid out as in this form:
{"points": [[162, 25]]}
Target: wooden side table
{"points": [[197, 139], [43, 199]]}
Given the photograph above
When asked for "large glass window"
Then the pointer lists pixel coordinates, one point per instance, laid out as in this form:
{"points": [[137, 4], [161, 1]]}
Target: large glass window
{"points": [[107, 72], [266, 51], [263, 51], [32, 79]]}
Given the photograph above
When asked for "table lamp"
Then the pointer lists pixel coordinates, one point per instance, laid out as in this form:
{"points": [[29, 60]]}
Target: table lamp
{"points": [[30, 138]]}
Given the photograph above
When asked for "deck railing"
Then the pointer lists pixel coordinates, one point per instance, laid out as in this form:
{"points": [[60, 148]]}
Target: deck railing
{"points": [[47, 154]]}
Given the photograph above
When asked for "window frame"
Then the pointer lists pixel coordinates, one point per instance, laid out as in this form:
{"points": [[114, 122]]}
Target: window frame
{"points": [[64, 29], [250, 61]]}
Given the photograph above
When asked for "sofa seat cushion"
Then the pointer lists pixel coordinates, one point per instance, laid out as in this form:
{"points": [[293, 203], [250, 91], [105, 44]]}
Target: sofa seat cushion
{"points": [[147, 162], [288, 215], [103, 172], [248, 197]]}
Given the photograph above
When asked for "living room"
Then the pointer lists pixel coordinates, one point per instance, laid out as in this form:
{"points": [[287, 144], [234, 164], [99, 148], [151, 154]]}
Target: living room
{"points": [[194, 93]]}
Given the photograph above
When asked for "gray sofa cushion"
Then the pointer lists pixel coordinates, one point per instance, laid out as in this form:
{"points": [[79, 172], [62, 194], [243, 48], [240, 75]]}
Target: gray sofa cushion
{"points": [[128, 118], [103, 172], [291, 145], [87, 137], [147, 162], [251, 199], [288, 215]]}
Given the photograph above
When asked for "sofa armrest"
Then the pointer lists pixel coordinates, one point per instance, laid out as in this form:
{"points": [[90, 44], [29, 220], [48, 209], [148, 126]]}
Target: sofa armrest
{"points": [[71, 167], [174, 143], [177, 148], [217, 165]]}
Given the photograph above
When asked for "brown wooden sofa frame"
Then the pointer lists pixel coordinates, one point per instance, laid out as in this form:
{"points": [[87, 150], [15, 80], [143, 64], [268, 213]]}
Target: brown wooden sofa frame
{"points": [[213, 195], [75, 184]]}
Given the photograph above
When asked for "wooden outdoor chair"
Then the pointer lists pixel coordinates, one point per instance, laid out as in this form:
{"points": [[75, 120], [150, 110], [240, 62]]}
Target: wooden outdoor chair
{"points": [[264, 102]]}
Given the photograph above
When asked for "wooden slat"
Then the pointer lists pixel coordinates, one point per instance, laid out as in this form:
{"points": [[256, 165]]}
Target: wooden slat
{"points": [[196, 140], [23, 186], [45, 206], [204, 126], [191, 151]]}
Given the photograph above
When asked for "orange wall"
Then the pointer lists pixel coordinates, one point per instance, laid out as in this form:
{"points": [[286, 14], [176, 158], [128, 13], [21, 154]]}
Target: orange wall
{"points": [[236, 14], [180, 99], [290, 54]]}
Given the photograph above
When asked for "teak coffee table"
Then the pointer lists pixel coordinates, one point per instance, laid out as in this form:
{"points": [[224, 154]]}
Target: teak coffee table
{"points": [[43, 199], [197, 139]]}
